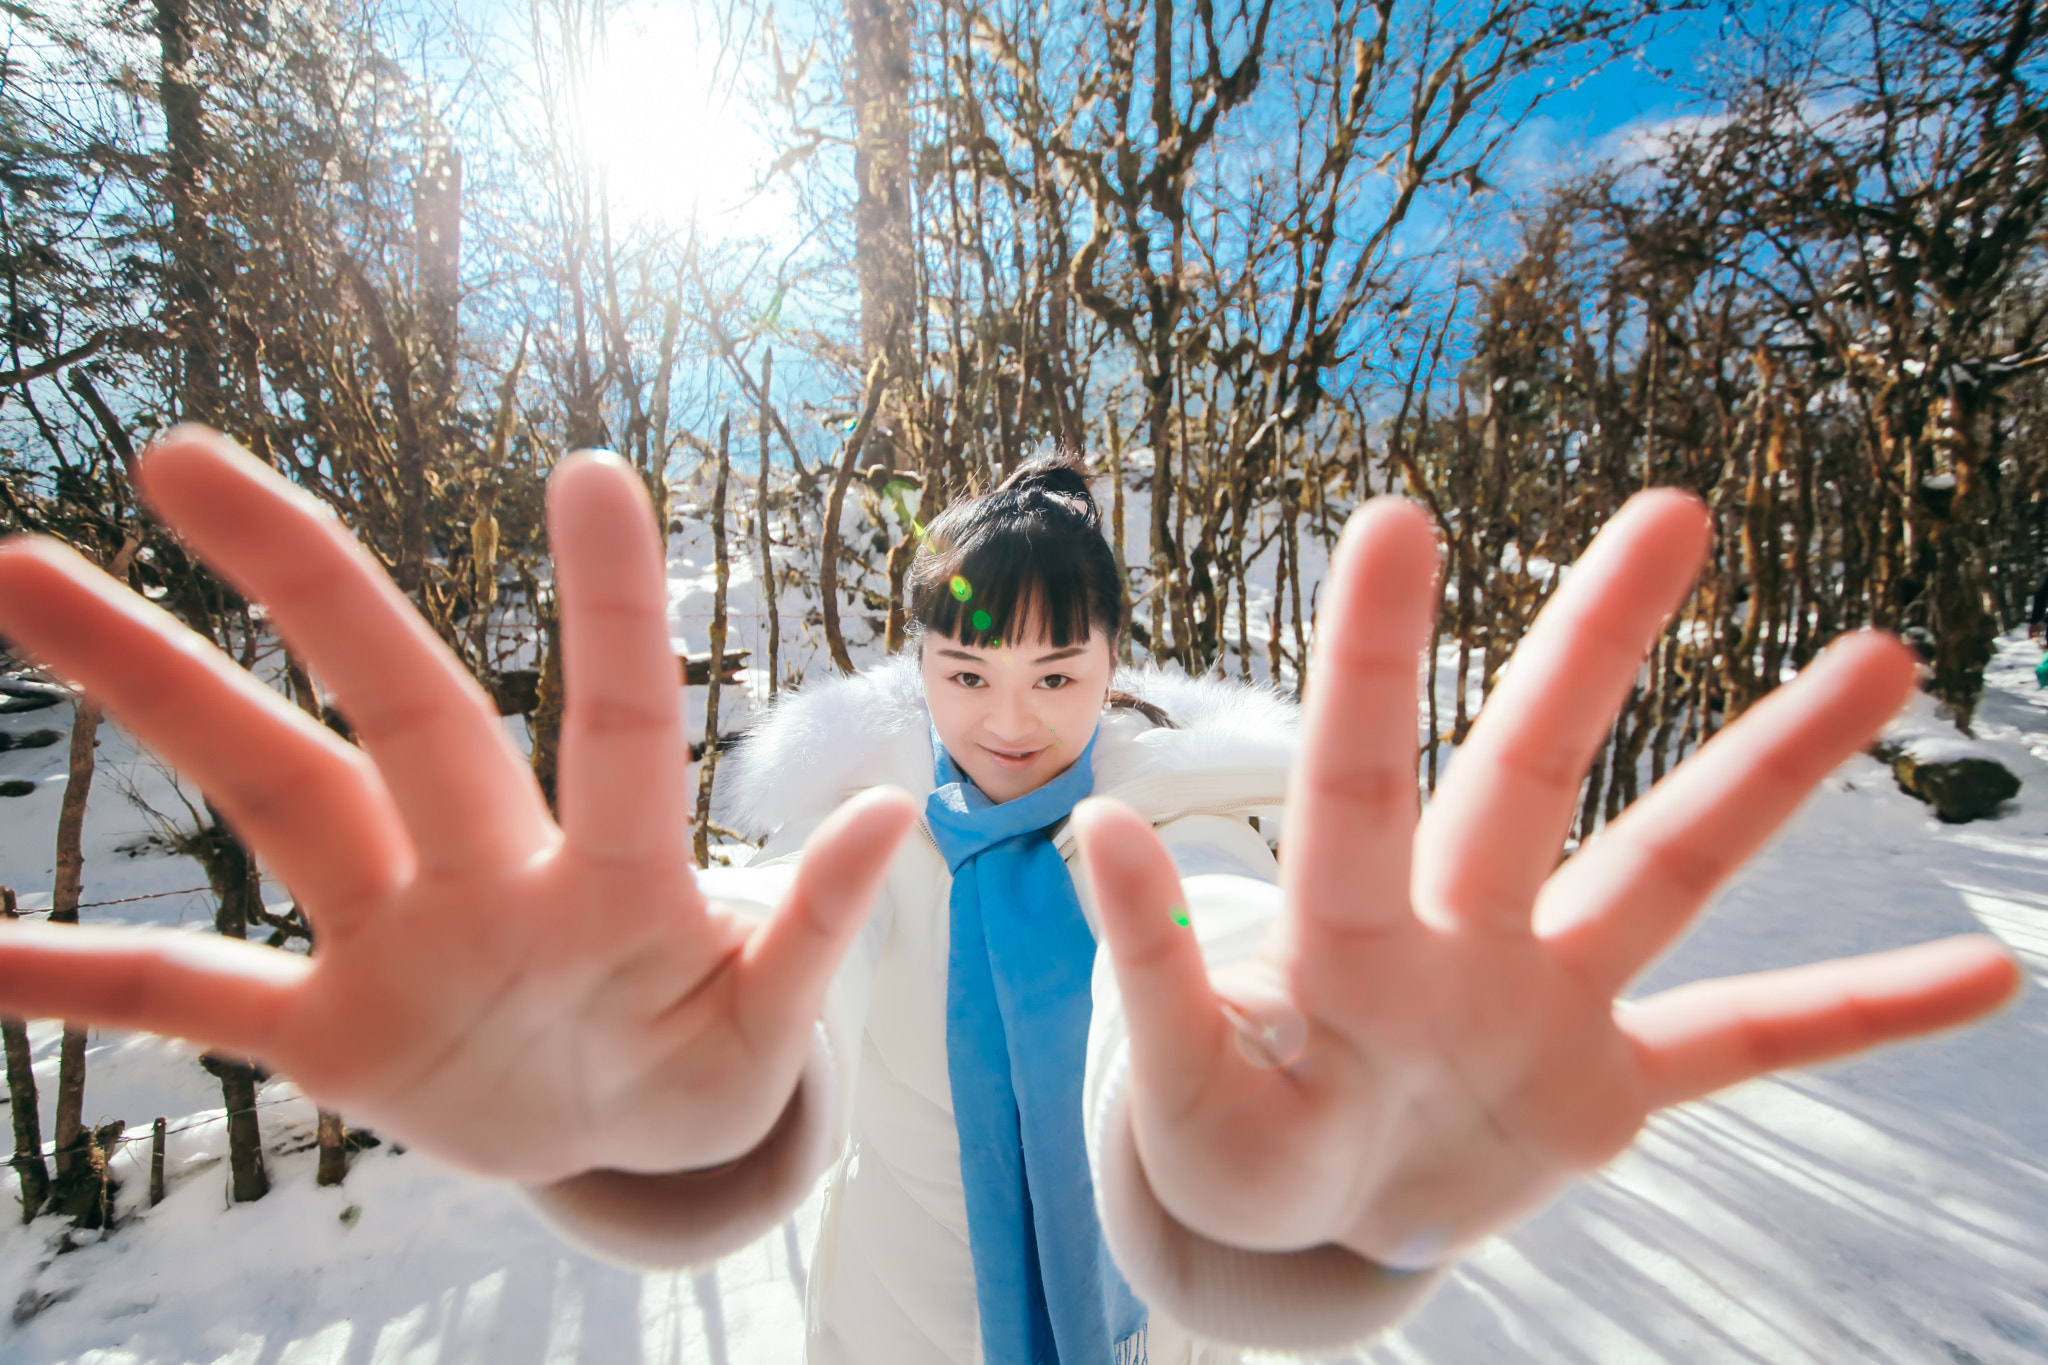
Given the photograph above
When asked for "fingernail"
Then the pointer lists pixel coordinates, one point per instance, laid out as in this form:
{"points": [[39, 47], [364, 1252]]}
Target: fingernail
{"points": [[1423, 1251], [1105, 847]]}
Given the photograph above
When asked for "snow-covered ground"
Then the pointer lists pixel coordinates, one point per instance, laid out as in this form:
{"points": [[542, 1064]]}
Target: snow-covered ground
{"points": [[1894, 1209]]}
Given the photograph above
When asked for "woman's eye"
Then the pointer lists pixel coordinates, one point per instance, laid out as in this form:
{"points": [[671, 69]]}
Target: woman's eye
{"points": [[1054, 681], [970, 680]]}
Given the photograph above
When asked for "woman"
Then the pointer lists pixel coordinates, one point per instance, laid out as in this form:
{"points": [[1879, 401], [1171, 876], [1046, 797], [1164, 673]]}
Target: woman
{"points": [[999, 717], [1419, 1047]]}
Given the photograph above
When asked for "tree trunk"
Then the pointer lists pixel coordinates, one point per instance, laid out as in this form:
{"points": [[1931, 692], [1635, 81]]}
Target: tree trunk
{"points": [[546, 721], [73, 1142], [81, 1187], [707, 767], [237, 888], [247, 1179], [654, 469], [1116, 525], [332, 1133], [768, 593], [1165, 554], [195, 317], [1290, 508], [437, 256], [835, 504], [29, 1167], [882, 226], [1965, 626]]}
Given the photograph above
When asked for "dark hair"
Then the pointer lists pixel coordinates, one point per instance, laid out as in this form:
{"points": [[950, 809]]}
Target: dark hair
{"points": [[1030, 553]]}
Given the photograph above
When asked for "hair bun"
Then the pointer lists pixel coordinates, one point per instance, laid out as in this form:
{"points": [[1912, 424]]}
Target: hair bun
{"points": [[1063, 473]]}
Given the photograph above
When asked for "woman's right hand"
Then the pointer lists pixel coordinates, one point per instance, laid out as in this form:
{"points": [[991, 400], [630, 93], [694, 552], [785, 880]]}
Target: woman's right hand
{"points": [[522, 998]]}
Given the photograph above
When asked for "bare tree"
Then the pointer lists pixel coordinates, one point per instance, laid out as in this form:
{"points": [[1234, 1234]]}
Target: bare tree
{"points": [[31, 1172]]}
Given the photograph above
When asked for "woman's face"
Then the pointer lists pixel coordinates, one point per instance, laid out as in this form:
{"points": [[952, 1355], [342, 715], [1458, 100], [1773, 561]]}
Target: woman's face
{"points": [[1015, 716]]}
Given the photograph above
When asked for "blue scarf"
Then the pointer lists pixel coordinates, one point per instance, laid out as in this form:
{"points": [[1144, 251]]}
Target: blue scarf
{"points": [[1017, 1008]]}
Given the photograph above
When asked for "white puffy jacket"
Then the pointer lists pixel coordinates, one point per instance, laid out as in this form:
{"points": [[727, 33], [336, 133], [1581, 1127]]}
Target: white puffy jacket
{"points": [[892, 1280]]}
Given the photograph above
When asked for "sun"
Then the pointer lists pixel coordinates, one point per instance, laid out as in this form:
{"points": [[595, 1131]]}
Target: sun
{"points": [[664, 117]]}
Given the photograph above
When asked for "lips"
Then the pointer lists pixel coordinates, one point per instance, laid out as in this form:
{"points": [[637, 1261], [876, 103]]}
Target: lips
{"points": [[1013, 758]]}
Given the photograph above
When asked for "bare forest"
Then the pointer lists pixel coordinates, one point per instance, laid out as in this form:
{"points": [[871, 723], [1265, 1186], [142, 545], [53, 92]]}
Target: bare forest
{"points": [[1259, 260]]}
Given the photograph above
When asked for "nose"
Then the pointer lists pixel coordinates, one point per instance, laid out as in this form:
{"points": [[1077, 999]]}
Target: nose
{"points": [[1011, 721]]}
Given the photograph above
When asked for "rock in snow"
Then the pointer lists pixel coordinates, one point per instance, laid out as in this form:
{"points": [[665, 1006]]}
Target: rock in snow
{"points": [[1934, 763], [1960, 789]]}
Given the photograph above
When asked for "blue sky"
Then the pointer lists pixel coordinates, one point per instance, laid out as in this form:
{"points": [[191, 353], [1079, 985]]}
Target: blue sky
{"points": [[1651, 87]]}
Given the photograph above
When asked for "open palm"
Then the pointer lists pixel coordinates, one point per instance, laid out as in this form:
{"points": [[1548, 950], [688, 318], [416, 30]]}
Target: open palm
{"points": [[1429, 1044], [521, 998]]}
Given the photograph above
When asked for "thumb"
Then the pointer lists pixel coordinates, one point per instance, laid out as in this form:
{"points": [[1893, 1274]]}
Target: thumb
{"points": [[1179, 1034], [791, 959]]}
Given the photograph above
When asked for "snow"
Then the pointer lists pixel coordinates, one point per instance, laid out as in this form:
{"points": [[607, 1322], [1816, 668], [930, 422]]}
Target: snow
{"points": [[1895, 1208], [1930, 737]]}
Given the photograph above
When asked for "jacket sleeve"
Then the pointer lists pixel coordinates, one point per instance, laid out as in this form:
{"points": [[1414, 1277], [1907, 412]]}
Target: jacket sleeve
{"points": [[1315, 1301], [691, 1218]]}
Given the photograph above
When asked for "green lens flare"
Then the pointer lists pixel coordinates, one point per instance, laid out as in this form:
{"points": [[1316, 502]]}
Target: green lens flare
{"points": [[1180, 917], [962, 589], [981, 620], [895, 491]]}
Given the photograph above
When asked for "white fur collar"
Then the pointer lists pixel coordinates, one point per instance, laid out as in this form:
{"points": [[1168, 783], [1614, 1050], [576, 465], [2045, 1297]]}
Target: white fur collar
{"points": [[816, 747]]}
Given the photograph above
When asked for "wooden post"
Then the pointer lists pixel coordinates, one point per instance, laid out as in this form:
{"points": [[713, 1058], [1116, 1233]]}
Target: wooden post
{"points": [[333, 1138], [156, 1162]]}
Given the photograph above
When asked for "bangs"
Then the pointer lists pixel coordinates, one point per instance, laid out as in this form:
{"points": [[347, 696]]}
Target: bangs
{"points": [[1028, 558], [1006, 587]]}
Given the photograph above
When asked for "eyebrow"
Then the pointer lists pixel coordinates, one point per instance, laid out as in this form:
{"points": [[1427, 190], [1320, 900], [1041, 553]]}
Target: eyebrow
{"points": [[1069, 652]]}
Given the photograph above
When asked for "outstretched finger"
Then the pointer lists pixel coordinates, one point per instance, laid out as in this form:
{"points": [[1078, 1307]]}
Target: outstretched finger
{"points": [[310, 803], [1494, 830], [1633, 888], [1353, 801], [1179, 1034], [625, 760], [213, 991], [1703, 1037], [789, 962], [464, 792]]}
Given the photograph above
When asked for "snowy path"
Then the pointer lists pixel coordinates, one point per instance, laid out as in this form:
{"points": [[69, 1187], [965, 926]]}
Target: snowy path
{"points": [[1893, 1210]]}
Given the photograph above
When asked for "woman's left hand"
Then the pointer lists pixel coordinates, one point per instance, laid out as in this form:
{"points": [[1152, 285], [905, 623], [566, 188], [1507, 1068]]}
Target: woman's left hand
{"points": [[1429, 1045]]}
